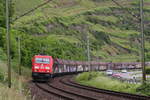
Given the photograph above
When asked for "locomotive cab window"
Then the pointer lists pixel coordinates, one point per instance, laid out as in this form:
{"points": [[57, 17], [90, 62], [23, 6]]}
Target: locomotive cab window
{"points": [[42, 60]]}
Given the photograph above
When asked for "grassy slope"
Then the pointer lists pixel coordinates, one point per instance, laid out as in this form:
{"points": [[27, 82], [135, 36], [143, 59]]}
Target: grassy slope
{"points": [[17, 91], [21, 6], [99, 80], [101, 16]]}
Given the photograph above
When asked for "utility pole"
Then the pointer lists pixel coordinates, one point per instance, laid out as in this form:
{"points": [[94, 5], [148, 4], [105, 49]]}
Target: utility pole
{"points": [[19, 54], [88, 51], [88, 48], [8, 43], [142, 41]]}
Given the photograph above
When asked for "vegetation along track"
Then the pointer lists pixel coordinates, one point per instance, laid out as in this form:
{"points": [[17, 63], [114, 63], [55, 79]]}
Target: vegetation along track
{"points": [[65, 88]]}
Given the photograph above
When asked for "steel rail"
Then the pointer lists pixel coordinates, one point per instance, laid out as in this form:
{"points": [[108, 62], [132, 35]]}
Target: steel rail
{"points": [[54, 93], [72, 93]]}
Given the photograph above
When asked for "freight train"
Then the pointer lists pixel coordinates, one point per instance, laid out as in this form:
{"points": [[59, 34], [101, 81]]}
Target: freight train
{"points": [[45, 67]]}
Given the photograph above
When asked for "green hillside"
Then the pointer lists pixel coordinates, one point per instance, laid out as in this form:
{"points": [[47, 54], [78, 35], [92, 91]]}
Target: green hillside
{"points": [[60, 28]]}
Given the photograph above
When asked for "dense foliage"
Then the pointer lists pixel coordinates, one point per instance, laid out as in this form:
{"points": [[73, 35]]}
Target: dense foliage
{"points": [[51, 45], [147, 70], [3, 10], [144, 89], [2, 13], [3, 20]]}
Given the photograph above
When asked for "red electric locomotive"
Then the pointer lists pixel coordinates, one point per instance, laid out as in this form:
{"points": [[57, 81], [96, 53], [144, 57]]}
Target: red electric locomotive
{"points": [[42, 67]]}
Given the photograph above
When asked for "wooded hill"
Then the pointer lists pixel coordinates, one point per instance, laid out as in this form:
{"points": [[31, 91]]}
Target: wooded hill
{"points": [[60, 29]]}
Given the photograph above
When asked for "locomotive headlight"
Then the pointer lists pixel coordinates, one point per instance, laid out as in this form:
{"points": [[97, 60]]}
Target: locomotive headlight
{"points": [[36, 67], [47, 68], [36, 70]]}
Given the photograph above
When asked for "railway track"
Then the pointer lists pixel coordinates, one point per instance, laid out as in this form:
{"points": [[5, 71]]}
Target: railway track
{"points": [[70, 82], [74, 95], [52, 91], [62, 93], [64, 88]]}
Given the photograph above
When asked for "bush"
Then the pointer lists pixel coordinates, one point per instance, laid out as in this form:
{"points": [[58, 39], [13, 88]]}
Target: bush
{"points": [[147, 70], [93, 75], [83, 77], [144, 89], [1, 77], [87, 76], [2, 54]]}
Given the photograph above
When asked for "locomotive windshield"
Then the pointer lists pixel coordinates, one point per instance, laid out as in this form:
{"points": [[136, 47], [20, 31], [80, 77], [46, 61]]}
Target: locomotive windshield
{"points": [[42, 60]]}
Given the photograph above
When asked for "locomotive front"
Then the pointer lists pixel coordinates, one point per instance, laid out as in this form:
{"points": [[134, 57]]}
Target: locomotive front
{"points": [[42, 67]]}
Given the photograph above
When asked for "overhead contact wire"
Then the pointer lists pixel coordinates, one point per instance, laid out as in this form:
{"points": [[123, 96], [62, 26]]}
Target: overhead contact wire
{"points": [[31, 10], [131, 13]]}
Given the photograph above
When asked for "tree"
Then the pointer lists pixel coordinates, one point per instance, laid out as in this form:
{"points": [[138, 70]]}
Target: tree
{"points": [[2, 13], [3, 20]]}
